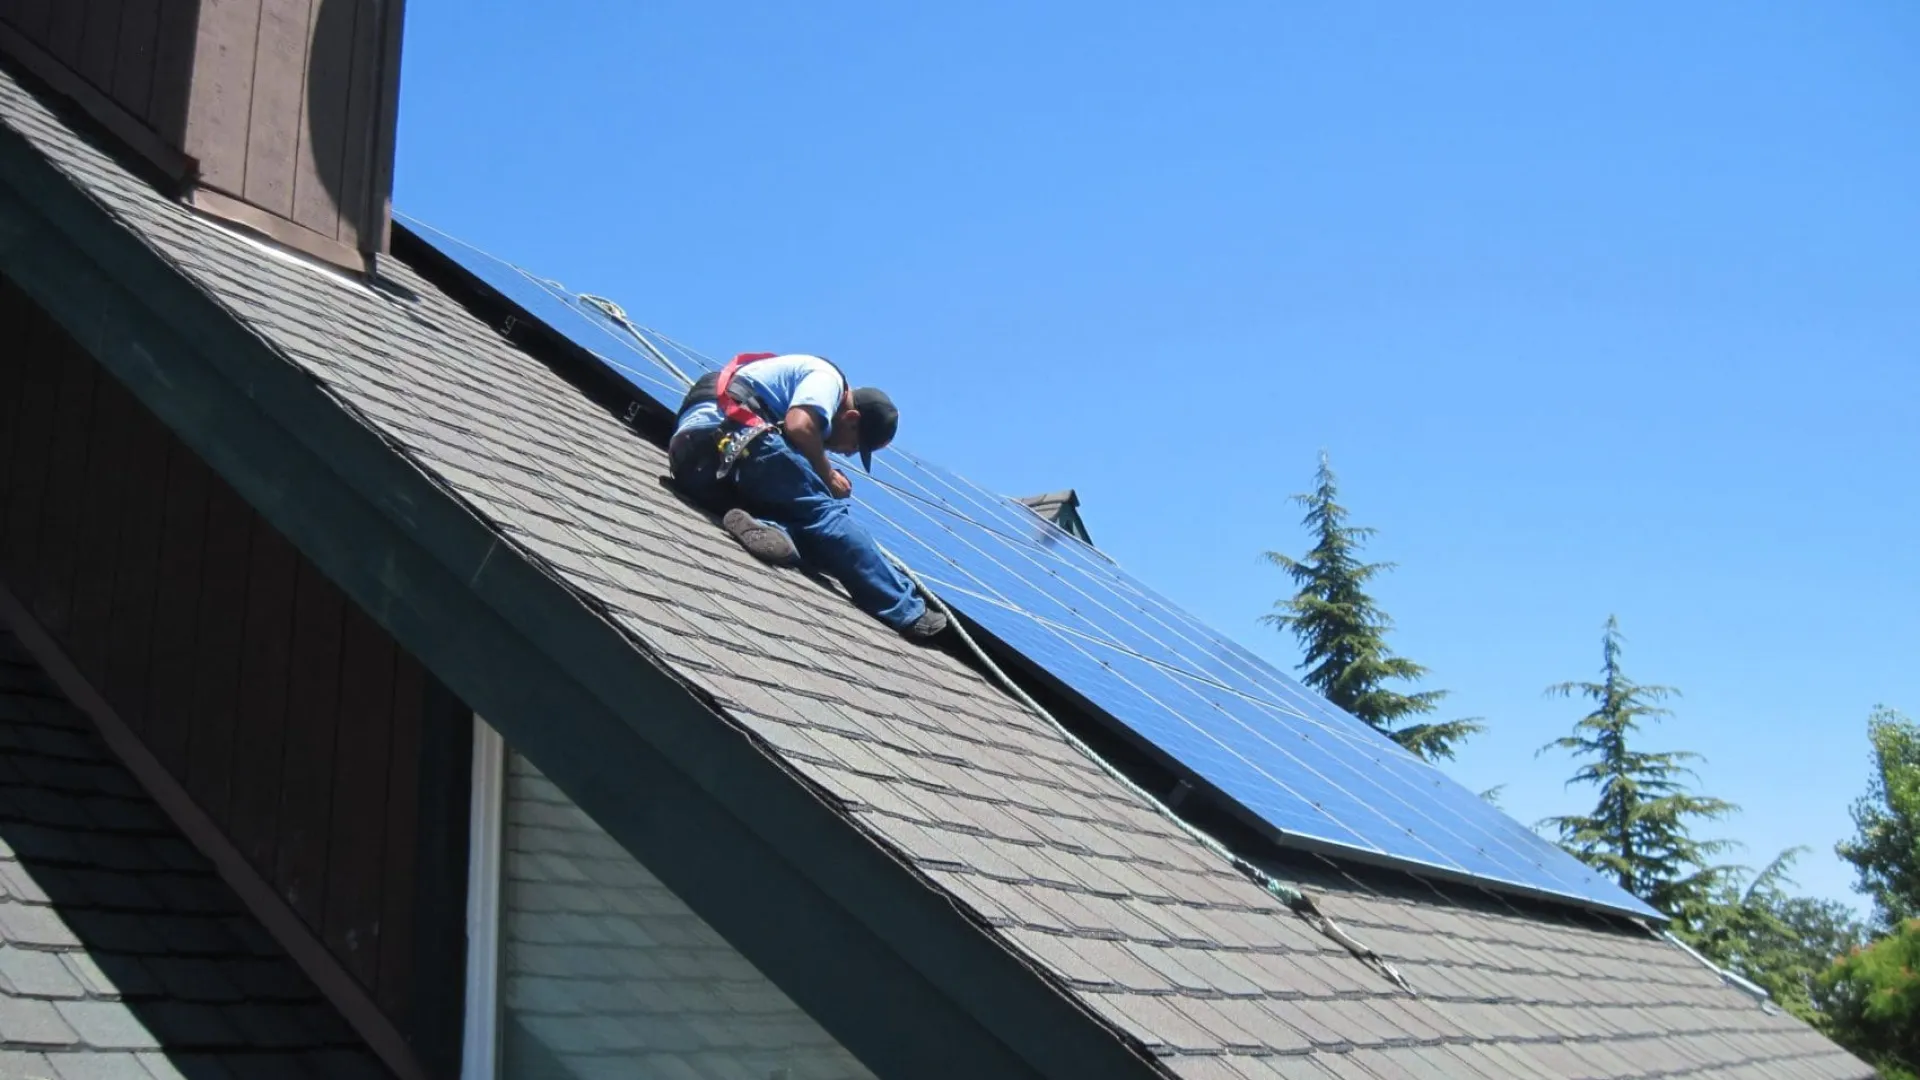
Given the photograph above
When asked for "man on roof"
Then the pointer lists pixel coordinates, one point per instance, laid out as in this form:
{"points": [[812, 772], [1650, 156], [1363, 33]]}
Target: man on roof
{"points": [[752, 442]]}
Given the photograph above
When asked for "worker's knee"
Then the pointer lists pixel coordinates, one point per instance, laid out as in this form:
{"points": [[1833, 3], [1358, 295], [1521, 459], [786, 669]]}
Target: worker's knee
{"points": [[826, 519]]}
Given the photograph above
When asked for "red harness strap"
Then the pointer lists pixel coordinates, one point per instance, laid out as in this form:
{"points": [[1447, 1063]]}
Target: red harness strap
{"points": [[730, 408]]}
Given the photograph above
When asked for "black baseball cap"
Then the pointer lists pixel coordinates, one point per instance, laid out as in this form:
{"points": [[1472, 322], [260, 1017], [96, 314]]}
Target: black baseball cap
{"points": [[879, 422]]}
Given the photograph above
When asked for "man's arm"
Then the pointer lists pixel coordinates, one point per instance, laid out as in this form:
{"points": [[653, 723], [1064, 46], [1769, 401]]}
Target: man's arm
{"points": [[806, 432]]}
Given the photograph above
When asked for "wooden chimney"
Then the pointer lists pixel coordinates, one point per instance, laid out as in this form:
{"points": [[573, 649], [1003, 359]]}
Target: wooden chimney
{"points": [[274, 114]]}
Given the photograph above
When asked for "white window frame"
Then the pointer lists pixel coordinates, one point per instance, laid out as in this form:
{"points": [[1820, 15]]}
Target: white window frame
{"points": [[480, 1042]]}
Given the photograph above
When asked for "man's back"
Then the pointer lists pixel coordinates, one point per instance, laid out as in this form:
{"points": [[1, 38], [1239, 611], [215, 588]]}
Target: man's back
{"points": [[792, 381]]}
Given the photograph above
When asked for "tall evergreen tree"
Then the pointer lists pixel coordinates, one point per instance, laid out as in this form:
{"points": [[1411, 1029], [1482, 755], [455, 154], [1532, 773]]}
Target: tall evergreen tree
{"points": [[1779, 941], [1886, 851], [1343, 632], [1641, 830]]}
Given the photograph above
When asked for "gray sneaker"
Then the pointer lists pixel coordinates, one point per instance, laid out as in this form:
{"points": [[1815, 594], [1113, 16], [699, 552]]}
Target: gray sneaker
{"points": [[929, 624], [762, 541]]}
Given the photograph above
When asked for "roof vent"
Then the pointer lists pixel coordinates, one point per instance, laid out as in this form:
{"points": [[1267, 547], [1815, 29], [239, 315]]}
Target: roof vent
{"points": [[1063, 509]]}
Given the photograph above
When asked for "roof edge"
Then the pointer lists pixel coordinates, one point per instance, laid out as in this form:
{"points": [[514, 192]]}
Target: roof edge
{"points": [[881, 957]]}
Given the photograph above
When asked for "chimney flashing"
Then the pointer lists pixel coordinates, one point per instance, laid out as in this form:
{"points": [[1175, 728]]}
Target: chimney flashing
{"points": [[275, 229]]}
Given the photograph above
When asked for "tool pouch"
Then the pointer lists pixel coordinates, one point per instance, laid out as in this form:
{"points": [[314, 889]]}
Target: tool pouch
{"points": [[734, 444]]}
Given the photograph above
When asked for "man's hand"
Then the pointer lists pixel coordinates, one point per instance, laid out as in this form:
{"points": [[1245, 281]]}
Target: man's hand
{"points": [[803, 434]]}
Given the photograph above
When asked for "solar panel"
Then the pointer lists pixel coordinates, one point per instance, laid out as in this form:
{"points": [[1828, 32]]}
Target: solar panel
{"points": [[1289, 762]]}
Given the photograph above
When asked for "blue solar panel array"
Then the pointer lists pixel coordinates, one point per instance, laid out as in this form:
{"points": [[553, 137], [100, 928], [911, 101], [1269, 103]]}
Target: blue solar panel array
{"points": [[1313, 775]]}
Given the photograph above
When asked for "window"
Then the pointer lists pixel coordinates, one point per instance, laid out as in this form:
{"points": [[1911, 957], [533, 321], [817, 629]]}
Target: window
{"points": [[582, 964]]}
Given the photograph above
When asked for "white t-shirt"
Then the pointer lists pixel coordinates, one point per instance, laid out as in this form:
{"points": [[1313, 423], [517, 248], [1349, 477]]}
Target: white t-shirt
{"points": [[793, 381]]}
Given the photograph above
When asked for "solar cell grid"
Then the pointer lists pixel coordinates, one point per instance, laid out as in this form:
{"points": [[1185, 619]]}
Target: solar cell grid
{"points": [[1258, 736], [1307, 772]]}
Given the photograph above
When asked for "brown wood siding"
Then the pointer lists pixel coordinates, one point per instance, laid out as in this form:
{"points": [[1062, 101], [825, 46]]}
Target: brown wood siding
{"points": [[135, 49], [285, 105], [104, 491], [31, 17], [220, 100], [176, 616], [306, 776], [362, 119], [34, 383], [60, 499], [171, 80], [266, 666], [66, 30], [123, 48], [279, 79], [319, 194], [362, 752], [288, 714], [136, 568], [100, 40], [288, 110]]}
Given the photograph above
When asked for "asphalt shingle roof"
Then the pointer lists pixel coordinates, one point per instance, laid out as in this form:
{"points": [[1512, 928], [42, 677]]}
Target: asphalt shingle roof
{"points": [[1157, 937], [123, 956]]}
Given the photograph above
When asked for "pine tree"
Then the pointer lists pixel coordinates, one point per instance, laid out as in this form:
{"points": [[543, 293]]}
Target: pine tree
{"points": [[1781, 942], [1343, 632], [1641, 830]]}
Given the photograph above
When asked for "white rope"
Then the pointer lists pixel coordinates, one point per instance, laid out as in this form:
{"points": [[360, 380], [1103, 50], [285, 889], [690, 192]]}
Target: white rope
{"points": [[1298, 902], [606, 307], [618, 314]]}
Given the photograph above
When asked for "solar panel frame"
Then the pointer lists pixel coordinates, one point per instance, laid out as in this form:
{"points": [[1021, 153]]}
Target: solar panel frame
{"points": [[1515, 849], [1276, 756]]}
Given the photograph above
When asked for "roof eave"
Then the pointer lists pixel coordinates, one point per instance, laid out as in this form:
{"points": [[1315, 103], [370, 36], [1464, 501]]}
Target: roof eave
{"points": [[885, 961]]}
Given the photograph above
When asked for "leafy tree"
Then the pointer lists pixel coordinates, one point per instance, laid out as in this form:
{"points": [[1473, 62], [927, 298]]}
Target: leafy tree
{"points": [[1641, 830], [1827, 931], [1782, 943], [1343, 632], [1871, 1002], [1886, 853]]}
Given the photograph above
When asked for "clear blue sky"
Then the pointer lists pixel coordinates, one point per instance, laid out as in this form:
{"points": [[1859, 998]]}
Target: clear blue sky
{"points": [[1597, 308]]}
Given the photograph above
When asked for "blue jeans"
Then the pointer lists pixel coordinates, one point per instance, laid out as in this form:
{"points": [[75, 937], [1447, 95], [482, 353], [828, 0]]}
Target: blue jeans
{"points": [[777, 485]]}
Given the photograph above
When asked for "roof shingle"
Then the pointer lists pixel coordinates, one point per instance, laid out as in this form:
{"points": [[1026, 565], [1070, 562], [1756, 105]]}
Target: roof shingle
{"points": [[1161, 939], [121, 951]]}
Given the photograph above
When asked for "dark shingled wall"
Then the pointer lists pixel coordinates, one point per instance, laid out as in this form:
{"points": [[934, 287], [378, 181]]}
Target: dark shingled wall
{"points": [[122, 954], [290, 717]]}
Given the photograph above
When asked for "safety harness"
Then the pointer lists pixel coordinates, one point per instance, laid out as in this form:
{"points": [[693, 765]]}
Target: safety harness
{"points": [[734, 406], [748, 418]]}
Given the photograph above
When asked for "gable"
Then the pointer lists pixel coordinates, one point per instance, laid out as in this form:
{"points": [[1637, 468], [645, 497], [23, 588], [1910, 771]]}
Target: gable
{"points": [[122, 952], [231, 672]]}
